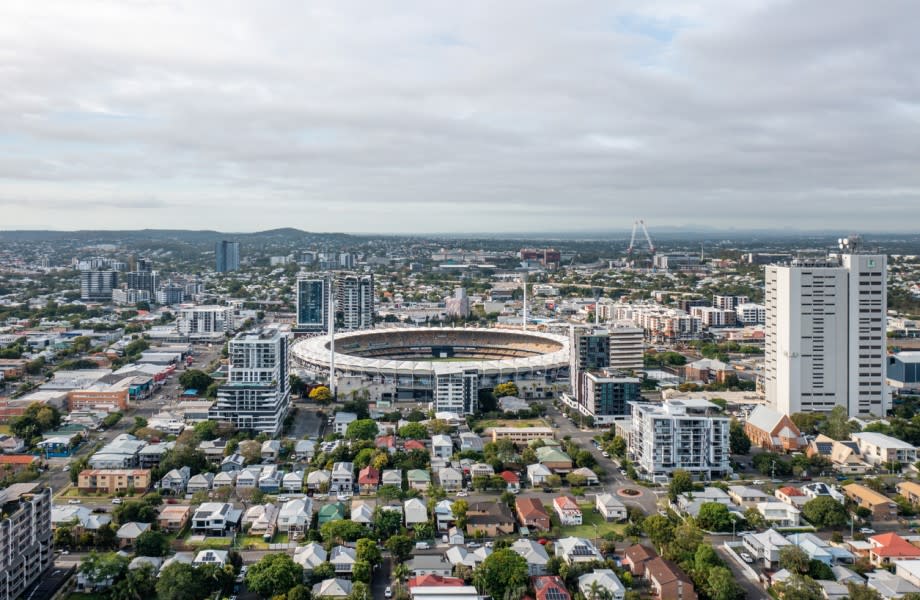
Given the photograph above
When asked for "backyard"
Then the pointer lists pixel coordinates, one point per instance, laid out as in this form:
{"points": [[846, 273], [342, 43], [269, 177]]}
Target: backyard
{"points": [[589, 519]]}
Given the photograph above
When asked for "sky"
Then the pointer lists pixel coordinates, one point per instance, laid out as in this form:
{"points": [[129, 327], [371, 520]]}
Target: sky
{"points": [[473, 116]]}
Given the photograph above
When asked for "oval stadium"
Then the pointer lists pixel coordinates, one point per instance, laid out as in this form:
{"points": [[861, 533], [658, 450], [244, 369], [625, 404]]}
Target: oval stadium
{"points": [[446, 365]]}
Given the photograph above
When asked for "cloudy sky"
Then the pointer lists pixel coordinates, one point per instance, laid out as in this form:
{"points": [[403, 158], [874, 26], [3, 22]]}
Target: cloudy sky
{"points": [[428, 116]]}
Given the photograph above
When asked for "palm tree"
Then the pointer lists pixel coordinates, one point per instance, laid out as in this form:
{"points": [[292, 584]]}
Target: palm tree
{"points": [[400, 572]]}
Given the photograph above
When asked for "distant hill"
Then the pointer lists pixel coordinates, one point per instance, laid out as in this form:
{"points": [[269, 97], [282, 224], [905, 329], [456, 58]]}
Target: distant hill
{"points": [[182, 235]]}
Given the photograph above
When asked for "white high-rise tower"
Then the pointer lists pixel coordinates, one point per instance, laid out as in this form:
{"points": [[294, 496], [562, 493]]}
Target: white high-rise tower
{"points": [[825, 334]]}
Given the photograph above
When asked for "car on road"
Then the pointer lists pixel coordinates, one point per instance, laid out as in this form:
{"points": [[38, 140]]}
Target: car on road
{"points": [[116, 500], [422, 545], [489, 544], [388, 593], [473, 545], [462, 494], [866, 530], [746, 557], [605, 454], [66, 468], [74, 501], [758, 482]]}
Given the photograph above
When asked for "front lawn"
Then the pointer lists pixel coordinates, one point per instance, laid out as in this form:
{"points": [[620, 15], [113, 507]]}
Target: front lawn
{"points": [[590, 518]]}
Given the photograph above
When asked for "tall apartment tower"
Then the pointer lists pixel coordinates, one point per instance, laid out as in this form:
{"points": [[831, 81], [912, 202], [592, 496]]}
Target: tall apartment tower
{"points": [[627, 347], [354, 296], [825, 334], [313, 304], [227, 255], [457, 392], [25, 537], [257, 395], [97, 285], [589, 350]]}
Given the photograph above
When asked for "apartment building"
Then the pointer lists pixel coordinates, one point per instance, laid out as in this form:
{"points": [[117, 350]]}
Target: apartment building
{"points": [[97, 286], [522, 435], [113, 480], [679, 434], [313, 304], [25, 537], [355, 300], [457, 391], [205, 321], [627, 347], [879, 449], [606, 396]]}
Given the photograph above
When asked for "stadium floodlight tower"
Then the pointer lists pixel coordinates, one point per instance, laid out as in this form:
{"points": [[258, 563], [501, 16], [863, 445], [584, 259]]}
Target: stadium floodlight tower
{"points": [[332, 383], [524, 319]]}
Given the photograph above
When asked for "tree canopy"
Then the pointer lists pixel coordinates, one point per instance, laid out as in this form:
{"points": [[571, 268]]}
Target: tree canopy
{"points": [[502, 571], [824, 511], [273, 575]]}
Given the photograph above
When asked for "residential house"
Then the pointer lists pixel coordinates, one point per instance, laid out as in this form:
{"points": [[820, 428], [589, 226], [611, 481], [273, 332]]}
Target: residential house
{"points": [[430, 564], [295, 516], [890, 586], [174, 481], [173, 517], [391, 477], [234, 462], [765, 546], [304, 450], [343, 477], [458, 555], [690, 502], [450, 479], [574, 550], [554, 459], [490, 518], [270, 480], [610, 507], [415, 512], [820, 550], [332, 588], [567, 510], [908, 570], [442, 446], [791, 495], [362, 511], [419, 479], [341, 421], [535, 554], [470, 441], [270, 450], [845, 457], [79, 518], [342, 559], [773, 431], [817, 489], [779, 514], [455, 537], [881, 450], [532, 514], [334, 511], [292, 482], [201, 482], [882, 507], [152, 454], [890, 547], [537, 474], [910, 490], [603, 579], [248, 478], [444, 515], [386, 442], [212, 557], [128, 533], [309, 557], [433, 581], [512, 481], [635, 558], [262, 519], [589, 475], [412, 445], [550, 587], [224, 479], [368, 480], [216, 518], [667, 580], [317, 481], [481, 470]]}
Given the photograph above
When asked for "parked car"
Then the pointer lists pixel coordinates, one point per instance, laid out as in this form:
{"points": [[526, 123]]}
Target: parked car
{"points": [[422, 545], [388, 593], [473, 545], [116, 500], [462, 494], [74, 501], [866, 530], [746, 557], [605, 454]]}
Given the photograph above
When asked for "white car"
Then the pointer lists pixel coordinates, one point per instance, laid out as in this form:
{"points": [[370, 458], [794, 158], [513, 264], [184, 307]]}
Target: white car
{"points": [[116, 500], [388, 593], [605, 454], [66, 467], [74, 502], [866, 530], [462, 494], [746, 557]]}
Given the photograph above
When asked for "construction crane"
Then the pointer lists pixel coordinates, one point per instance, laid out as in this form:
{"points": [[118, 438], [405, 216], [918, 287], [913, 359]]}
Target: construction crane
{"points": [[632, 240]]}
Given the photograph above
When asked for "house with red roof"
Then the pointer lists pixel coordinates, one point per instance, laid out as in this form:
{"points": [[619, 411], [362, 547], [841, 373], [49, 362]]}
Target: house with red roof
{"points": [[550, 587], [532, 514], [368, 480], [568, 510], [10, 464], [386, 442], [792, 496], [413, 445], [432, 580], [886, 547], [512, 481]]}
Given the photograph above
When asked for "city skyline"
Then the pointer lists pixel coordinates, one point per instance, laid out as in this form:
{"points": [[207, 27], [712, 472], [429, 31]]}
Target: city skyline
{"points": [[457, 118]]}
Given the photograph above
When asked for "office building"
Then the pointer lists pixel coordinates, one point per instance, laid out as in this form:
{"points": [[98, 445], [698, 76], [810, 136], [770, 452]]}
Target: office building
{"points": [[313, 304], [25, 537], [457, 392], [627, 347], [257, 394], [606, 396], [676, 262], [825, 334], [679, 434], [205, 321], [459, 304], [97, 286], [227, 255], [355, 300]]}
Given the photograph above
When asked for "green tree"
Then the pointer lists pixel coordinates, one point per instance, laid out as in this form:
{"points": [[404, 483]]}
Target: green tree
{"points": [[361, 571], [501, 571], [206, 430], [799, 587], [838, 425], [359, 591], [299, 592], [857, 591], [618, 447], [687, 537], [721, 584], [362, 429], [138, 584], [681, 481], [274, 574], [714, 516], [98, 568], [151, 543], [386, 523], [738, 440], [459, 508], [400, 546], [194, 379], [366, 550], [180, 581], [659, 529], [754, 518], [321, 395], [342, 531], [793, 559], [413, 431], [824, 511]]}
